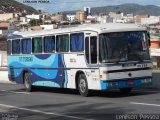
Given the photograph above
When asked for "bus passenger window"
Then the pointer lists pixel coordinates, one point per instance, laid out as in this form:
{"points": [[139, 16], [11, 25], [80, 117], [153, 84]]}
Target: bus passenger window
{"points": [[93, 49], [77, 42], [26, 46], [37, 45], [62, 43], [16, 47], [9, 47], [87, 49], [49, 44]]}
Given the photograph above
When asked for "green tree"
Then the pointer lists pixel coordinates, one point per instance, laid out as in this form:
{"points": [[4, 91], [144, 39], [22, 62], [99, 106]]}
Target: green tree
{"points": [[75, 23], [34, 22], [65, 23]]}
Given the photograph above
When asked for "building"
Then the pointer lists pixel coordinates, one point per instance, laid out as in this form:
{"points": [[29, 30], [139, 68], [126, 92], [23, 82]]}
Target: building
{"points": [[3, 44], [23, 21], [3, 53], [81, 16], [71, 17], [87, 11], [48, 26], [116, 15], [138, 18], [33, 16], [101, 19], [47, 21], [6, 16], [154, 29], [150, 20], [59, 17], [7, 28], [90, 19], [3, 58], [36, 28], [155, 49], [129, 18]]}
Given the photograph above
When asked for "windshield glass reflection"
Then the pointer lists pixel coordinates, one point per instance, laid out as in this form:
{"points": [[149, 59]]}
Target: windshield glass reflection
{"points": [[123, 46]]}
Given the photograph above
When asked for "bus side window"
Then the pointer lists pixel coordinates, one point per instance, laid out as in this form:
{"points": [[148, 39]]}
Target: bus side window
{"points": [[16, 46], [37, 45], [49, 44], [62, 43], [87, 49], [26, 46], [9, 47], [77, 42], [93, 49]]}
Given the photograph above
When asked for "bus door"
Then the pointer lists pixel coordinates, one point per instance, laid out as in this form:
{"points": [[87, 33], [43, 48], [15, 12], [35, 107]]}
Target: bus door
{"points": [[91, 54]]}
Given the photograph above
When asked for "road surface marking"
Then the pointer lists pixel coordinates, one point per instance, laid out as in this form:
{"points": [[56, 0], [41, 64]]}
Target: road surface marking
{"points": [[136, 103], [14, 92], [46, 113]]}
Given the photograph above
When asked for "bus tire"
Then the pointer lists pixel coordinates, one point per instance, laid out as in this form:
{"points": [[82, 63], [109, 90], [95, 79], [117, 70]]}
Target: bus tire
{"points": [[27, 82], [125, 90], [83, 85]]}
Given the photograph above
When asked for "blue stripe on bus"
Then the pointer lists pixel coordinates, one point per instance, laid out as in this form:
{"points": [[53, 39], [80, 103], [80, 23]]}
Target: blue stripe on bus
{"points": [[46, 83], [39, 76]]}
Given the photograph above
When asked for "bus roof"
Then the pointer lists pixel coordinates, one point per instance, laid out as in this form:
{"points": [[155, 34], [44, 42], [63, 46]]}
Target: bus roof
{"points": [[99, 28]]}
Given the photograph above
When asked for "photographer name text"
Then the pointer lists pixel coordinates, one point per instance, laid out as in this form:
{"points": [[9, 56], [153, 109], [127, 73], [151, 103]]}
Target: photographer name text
{"points": [[36, 1]]}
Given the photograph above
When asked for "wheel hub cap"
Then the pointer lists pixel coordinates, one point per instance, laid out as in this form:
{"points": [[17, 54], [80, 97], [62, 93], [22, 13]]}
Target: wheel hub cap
{"points": [[82, 85]]}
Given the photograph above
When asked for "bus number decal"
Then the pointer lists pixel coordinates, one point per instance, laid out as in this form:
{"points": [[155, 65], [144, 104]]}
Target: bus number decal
{"points": [[141, 65], [26, 59]]}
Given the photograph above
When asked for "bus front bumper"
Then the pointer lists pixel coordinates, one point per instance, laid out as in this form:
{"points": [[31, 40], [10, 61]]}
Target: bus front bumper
{"points": [[117, 84]]}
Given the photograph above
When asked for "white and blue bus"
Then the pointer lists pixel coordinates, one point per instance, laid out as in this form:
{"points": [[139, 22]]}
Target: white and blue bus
{"points": [[87, 57]]}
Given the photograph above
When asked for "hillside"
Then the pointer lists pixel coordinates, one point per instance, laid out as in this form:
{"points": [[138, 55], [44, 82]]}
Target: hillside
{"points": [[128, 8], [7, 6]]}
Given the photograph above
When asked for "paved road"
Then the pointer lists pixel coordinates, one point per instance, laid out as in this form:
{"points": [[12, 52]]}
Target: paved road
{"points": [[60, 104]]}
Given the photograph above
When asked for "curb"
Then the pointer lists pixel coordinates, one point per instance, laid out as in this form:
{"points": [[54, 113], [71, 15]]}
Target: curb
{"points": [[3, 69], [6, 82]]}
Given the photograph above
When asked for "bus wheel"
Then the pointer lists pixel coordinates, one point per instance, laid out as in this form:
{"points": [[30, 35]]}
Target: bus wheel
{"points": [[125, 90], [82, 85], [27, 82]]}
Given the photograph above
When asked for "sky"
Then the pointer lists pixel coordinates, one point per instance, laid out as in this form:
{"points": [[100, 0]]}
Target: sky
{"points": [[67, 5]]}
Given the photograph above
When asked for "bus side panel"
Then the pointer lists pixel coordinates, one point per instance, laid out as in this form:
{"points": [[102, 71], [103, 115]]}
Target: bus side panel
{"points": [[15, 70], [76, 63], [53, 75], [44, 70], [15, 74]]}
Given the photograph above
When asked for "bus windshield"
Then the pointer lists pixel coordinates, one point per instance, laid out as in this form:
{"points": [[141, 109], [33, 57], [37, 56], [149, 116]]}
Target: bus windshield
{"points": [[123, 46]]}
